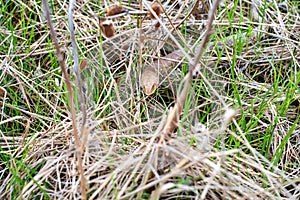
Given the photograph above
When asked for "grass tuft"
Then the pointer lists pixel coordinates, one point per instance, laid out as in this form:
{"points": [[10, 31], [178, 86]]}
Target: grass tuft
{"points": [[237, 136]]}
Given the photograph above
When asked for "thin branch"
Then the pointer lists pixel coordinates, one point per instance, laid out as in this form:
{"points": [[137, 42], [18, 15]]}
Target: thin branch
{"points": [[138, 14], [63, 67], [76, 63], [81, 99], [173, 116]]}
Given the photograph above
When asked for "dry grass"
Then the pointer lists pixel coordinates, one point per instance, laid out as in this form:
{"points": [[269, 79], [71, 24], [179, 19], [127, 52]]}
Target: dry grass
{"points": [[237, 136]]}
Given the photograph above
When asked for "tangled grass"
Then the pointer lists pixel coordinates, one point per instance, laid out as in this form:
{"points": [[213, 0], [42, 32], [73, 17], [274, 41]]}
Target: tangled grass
{"points": [[237, 137]]}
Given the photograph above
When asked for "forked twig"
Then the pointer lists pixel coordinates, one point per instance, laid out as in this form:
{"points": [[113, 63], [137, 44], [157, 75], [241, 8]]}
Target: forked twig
{"points": [[173, 116], [63, 67]]}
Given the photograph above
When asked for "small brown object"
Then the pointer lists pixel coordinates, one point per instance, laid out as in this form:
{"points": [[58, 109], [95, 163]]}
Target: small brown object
{"points": [[107, 28], [115, 10], [2, 92], [83, 64], [156, 26], [2, 95], [156, 7]]}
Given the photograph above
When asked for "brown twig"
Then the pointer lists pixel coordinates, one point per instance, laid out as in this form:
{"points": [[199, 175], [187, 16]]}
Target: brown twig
{"points": [[173, 116], [83, 133], [62, 64]]}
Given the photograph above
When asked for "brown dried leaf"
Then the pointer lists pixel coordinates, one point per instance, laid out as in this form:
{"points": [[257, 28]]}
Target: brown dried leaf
{"points": [[115, 10], [156, 7], [83, 64], [2, 92], [107, 28]]}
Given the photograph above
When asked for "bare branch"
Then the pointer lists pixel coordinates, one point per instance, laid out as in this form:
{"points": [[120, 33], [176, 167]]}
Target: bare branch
{"points": [[76, 63], [173, 116], [70, 93]]}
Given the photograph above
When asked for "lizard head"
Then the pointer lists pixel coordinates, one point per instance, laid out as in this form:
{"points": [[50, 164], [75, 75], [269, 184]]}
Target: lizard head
{"points": [[149, 81]]}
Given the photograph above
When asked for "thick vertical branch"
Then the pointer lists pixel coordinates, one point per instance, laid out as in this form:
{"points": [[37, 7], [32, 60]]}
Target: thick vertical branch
{"points": [[62, 65], [173, 116]]}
